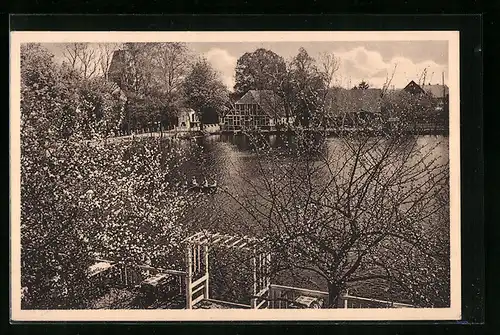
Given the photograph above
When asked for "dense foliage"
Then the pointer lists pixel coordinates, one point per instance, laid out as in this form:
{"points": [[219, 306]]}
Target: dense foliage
{"points": [[81, 200], [204, 91]]}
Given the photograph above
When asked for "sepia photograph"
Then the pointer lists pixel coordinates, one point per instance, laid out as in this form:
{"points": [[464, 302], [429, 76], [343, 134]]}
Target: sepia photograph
{"points": [[274, 175]]}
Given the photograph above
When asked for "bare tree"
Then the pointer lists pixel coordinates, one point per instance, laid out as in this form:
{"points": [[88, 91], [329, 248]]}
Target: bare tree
{"points": [[329, 65], [362, 209], [82, 58], [388, 81], [70, 54]]}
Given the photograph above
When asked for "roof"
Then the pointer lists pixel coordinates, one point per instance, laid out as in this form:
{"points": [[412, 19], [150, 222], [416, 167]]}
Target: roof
{"points": [[117, 65], [436, 91], [186, 110], [413, 88], [268, 101], [98, 268], [367, 100]]}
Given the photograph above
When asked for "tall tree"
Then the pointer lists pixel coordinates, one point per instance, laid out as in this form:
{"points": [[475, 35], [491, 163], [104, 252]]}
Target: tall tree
{"points": [[329, 65], [259, 70], [47, 241], [204, 90], [363, 85], [172, 61], [139, 68], [153, 74], [83, 201], [307, 84]]}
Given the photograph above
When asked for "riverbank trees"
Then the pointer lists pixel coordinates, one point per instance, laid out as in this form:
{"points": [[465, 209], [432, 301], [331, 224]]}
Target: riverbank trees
{"points": [[204, 91]]}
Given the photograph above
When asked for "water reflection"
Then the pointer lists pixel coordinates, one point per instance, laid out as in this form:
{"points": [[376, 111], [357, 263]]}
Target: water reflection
{"points": [[226, 158], [216, 156]]}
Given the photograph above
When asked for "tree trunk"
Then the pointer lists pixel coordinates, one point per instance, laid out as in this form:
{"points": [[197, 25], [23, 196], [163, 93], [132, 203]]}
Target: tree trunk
{"points": [[334, 290]]}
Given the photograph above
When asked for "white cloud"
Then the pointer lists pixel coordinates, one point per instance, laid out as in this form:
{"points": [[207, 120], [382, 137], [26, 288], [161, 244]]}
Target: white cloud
{"points": [[360, 64], [355, 65], [224, 63]]}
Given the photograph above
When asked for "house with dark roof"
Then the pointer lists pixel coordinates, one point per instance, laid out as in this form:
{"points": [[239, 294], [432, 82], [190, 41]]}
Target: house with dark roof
{"points": [[414, 88], [437, 94], [257, 109], [355, 106], [436, 91]]}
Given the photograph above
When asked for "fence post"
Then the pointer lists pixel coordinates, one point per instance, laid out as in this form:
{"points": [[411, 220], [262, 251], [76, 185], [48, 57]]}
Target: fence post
{"points": [[254, 300], [188, 277], [271, 297], [207, 290], [345, 299]]}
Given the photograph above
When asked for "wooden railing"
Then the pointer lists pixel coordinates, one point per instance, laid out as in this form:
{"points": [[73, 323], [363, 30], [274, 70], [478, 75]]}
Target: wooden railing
{"points": [[285, 297], [350, 301], [271, 296], [132, 275], [262, 299]]}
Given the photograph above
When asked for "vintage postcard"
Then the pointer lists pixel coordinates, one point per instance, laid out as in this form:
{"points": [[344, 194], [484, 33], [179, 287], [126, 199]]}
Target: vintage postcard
{"points": [[169, 176]]}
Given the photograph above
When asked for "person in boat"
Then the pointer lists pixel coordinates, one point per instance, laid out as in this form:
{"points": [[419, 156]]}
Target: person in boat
{"points": [[194, 181]]}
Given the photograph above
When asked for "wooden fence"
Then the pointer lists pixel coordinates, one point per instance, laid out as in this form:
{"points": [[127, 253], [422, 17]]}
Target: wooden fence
{"points": [[132, 275], [285, 297], [270, 297]]}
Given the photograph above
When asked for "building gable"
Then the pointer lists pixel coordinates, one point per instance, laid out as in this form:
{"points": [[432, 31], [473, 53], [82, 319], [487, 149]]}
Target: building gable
{"points": [[413, 88], [358, 100], [268, 101]]}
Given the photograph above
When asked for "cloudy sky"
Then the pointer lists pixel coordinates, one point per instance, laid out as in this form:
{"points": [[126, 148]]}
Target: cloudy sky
{"points": [[368, 61]]}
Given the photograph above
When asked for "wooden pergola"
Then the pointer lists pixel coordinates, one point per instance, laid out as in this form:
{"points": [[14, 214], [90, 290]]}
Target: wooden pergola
{"points": [[197, 263]]}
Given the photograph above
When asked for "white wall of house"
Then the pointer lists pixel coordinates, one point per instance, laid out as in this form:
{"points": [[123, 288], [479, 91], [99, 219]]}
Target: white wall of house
{"points": [[211, 127], [284, 120], [188, 120]]}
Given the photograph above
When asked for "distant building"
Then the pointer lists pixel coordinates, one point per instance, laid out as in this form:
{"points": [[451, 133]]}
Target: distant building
{"points": [[414, 88], [436, 91], [355, 106], [439, 95], [188, 120], [257, 109], [117, 67]]}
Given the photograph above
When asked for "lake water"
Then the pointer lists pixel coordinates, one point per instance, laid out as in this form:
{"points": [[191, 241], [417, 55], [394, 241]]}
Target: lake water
{"points": [[225, 159]]}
